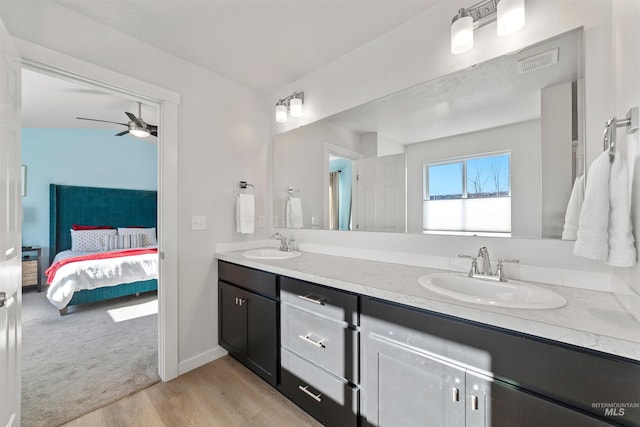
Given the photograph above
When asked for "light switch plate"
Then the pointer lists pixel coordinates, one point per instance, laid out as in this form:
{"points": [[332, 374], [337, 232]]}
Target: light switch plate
{"points": [[198, 222]]}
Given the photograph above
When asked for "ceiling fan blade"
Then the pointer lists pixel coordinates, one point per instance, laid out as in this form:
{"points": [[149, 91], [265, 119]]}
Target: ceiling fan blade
{"points": [[134, 119], [124, 132], [103, 121]]}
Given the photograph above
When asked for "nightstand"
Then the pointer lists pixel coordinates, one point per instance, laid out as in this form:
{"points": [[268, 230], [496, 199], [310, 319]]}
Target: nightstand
{"points": [[31, 267]]}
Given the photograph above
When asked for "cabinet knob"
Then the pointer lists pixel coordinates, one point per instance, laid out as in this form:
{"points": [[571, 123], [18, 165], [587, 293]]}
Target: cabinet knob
{"points": [[240, 301]]}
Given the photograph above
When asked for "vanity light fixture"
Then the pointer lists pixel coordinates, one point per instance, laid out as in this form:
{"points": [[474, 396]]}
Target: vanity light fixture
{"points": [[292, 105], [508, 13]]}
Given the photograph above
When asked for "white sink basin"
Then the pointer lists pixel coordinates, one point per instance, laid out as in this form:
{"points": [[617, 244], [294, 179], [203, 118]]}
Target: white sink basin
{"points": [[270, 253], [512, 294]]}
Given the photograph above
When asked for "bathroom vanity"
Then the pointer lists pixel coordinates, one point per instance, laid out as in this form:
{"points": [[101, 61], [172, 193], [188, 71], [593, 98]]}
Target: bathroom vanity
{"points": [[361, 343]]}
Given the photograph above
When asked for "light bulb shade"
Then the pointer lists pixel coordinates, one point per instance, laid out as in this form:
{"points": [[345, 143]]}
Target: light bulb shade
{"points": [[281, 113], [139, 132], [295, 107], [510, 16], [461, 34]]}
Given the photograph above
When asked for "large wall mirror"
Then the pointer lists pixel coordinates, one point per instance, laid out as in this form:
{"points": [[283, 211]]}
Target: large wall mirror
{"points": [[490, 150]]}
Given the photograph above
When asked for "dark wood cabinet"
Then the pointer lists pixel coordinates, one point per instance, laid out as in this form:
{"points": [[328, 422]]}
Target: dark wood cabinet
{"points": [[419, 365], [248, 323]]}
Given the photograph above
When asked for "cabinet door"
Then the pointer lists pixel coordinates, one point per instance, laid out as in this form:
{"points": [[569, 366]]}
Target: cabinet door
{"points": [[508, 407], [262, 336], [403, 386], [232, 308]]}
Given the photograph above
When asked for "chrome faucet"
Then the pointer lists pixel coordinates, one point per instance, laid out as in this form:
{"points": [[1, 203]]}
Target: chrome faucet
{"points": [[485, 272], [286, 245], [483, 254]]}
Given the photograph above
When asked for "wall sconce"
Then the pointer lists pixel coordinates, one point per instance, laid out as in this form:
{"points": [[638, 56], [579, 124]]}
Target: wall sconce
{"points": [[292, 105], [508, 13]]}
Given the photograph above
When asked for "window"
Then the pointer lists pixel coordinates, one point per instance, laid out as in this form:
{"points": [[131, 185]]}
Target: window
{"points": [[470, 195]]}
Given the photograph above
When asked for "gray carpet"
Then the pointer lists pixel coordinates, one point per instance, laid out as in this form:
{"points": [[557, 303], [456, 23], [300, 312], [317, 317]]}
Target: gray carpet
{"points": [[76, 363]]}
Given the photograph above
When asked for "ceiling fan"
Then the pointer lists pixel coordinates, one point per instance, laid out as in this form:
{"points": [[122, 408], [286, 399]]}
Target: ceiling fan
{"points": [[137, 126]]}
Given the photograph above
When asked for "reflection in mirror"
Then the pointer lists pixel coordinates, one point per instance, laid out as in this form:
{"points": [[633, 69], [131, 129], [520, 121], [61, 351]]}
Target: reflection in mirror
{"points": [[511, 127]]}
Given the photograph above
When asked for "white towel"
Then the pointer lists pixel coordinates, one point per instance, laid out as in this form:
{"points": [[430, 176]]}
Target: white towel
{"points": [[293, 217], [573, 210], [622, 252], [592, 236], [245, 213]]}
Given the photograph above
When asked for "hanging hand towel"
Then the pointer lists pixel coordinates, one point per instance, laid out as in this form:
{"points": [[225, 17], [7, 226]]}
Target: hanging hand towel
{"points": [[245, 213], [293, 217], [622, 252], [592, 235], [573, 210]]}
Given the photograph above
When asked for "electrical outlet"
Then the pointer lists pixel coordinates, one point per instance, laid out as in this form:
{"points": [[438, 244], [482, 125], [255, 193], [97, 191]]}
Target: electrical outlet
{"points": [[198, 222]]}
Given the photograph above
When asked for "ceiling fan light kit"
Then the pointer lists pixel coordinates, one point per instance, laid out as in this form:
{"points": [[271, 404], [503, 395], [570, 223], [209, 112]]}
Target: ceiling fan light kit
{"points": [[136, 126]]}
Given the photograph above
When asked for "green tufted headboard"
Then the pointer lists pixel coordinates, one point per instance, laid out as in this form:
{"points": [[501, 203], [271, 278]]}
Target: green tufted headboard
{"points": [[96, 206]]}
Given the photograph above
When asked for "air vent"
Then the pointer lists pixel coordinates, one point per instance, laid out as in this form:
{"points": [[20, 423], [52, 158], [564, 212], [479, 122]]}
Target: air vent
{"points": [[538, 61]]}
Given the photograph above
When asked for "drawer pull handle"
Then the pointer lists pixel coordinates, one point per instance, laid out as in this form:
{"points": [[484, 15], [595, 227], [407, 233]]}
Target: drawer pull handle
{"points": [[310, 340], [313, 299], [455, 394], [240, 301], [315, 397]]}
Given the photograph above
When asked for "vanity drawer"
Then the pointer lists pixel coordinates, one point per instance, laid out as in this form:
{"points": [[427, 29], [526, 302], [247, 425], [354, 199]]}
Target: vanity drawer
{"points": [[336, 304], [331, 345], [327, 398], [257, 281]]}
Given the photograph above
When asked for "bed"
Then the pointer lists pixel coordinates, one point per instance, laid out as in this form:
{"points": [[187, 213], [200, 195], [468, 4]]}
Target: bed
{"points": [[124, 208]]}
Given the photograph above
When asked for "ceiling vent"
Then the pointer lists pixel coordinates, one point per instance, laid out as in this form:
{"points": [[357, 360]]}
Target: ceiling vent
{"points": [[538, 61]]}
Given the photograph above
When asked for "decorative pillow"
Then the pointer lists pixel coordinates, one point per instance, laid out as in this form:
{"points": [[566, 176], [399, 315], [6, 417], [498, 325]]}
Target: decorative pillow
{"points": [[122, 241], [89, 240], [91, 227], [148, 234]]}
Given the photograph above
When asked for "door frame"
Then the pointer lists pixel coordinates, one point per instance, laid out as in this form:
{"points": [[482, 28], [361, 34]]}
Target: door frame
{"points": [[56, 64], [327, 150]]}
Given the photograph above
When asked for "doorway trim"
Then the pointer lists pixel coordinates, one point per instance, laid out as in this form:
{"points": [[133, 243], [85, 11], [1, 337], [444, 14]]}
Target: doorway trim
{"points": [[56, 64]]}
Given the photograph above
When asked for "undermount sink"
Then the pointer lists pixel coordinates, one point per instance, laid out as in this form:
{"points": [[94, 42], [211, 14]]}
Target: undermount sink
{"points": [[511, 294], [270, 253]]}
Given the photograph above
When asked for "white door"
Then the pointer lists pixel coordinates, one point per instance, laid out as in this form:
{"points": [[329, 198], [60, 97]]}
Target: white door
{"points": [[381, 196], [10, 238]]}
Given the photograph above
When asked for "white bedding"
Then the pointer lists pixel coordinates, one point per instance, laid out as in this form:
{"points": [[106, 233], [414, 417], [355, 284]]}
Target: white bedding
{"points": [[91, 274]]}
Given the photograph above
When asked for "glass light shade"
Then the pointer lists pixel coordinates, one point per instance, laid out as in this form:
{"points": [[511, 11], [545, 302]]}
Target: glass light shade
{"points": [[139, 132], [510, 16], [295, 107], [281, 113], [462, 35]]}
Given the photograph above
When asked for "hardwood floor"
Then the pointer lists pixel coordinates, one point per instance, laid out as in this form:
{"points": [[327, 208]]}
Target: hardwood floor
{"points": [[221, 393]]}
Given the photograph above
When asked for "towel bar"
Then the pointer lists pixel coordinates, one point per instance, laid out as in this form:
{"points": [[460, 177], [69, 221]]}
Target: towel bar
{"points": [[609, 138], [243, 186], [293, 192]]}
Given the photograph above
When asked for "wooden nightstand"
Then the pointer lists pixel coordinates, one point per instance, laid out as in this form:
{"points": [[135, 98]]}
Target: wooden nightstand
{"points": [[31, 267]]}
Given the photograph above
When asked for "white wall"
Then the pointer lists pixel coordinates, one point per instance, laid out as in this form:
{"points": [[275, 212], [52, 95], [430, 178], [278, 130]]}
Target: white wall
{"points": [[627, 89], [419, 51], [299, 162], [223, 138]]}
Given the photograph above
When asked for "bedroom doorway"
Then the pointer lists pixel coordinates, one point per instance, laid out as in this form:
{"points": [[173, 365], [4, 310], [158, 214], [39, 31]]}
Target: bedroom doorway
{"points": [[110, 347], [96, 78]]}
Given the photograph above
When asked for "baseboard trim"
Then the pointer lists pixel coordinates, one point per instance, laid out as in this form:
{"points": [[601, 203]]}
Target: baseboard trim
{"points": [[201, 359]]}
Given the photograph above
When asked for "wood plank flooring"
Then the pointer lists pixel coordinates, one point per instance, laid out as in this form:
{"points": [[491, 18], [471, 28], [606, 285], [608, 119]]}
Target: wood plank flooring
{"points": [[220, 393]]}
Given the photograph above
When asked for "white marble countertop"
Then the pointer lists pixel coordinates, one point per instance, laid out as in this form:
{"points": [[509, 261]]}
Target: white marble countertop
{"points": [[590, 319]]}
